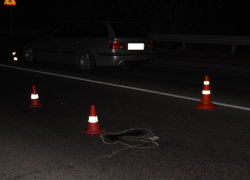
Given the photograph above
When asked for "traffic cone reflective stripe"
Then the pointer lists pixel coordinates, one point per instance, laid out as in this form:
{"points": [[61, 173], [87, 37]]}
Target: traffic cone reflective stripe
{"points": [[205, 92], [206, 82], [93, 126], [34, 98], [206, 103], [93, 119]]}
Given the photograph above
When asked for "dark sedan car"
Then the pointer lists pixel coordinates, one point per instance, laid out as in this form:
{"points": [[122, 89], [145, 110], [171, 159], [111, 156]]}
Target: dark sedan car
{"points": [[90, 44]]}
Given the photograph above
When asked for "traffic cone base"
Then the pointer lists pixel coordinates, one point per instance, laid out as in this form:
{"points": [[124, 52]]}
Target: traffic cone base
{"points": [[93, 128], [35, 103], [91, 132], [206, 107]]}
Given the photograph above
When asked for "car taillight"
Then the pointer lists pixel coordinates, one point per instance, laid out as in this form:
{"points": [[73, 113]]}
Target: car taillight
{"points": [[115, 45], [150, 45]]}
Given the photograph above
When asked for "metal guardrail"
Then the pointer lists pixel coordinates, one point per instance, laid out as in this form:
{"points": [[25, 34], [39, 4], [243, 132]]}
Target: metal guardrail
{"points": [[203, 39], [233, 41]]}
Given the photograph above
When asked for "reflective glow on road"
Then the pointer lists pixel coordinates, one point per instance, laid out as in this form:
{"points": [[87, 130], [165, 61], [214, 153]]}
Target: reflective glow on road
{"points": [[125, 87]]}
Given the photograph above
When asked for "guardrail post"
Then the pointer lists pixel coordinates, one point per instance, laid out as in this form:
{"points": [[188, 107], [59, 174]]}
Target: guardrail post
{"points": [[233, 48], [183, 47]]}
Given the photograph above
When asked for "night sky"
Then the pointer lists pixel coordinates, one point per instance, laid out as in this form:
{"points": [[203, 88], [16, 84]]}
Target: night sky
{"points": [[221, 18]]}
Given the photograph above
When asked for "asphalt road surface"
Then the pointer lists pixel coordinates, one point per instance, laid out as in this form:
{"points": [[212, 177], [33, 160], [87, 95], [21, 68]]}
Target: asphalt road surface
{"points": [[152, 129]]}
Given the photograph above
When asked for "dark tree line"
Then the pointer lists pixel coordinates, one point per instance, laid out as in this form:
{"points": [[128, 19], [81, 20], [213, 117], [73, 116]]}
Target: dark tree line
{"points": [[159, 16]]}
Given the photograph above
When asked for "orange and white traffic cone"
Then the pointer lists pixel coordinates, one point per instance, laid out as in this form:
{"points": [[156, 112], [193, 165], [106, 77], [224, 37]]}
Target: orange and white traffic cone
{"points": [[93, 126], [15, 59], [206, 103], [34, 98]]}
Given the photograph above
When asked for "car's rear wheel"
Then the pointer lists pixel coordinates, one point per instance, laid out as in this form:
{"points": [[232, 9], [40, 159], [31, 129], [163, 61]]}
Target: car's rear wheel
{"points": [[29, 55], [86, 62]]}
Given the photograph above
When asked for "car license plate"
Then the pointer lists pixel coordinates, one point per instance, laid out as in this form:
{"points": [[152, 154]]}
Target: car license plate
{"points": [[135, 46]]}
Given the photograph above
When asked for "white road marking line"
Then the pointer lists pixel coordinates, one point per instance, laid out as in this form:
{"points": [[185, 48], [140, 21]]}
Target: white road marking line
{"points": [[127, 87]]}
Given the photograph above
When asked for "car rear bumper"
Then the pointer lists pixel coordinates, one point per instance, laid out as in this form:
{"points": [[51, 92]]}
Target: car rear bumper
{"points": [[113, 59]]}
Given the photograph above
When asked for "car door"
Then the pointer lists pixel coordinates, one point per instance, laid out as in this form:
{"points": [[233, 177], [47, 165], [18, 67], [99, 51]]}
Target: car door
{"points": [[81, 36], [49, 45], [73, 42]]}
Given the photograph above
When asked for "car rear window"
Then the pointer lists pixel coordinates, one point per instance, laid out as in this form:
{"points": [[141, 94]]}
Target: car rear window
{"points": [[98, 30], [128, 30]]}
